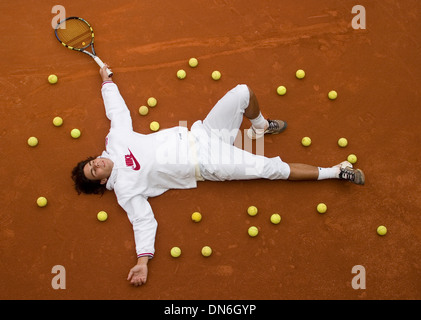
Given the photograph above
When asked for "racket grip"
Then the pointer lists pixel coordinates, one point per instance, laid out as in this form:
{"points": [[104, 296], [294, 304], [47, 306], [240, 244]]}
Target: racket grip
{"points": [[101, 65]]}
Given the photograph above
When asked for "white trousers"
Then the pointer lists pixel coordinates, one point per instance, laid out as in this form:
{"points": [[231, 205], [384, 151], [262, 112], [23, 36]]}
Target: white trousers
{"points": [[218, 158]]}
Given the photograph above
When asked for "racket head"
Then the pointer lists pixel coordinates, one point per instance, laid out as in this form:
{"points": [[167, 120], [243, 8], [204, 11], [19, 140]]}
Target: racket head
{"points": [[77, 34]]}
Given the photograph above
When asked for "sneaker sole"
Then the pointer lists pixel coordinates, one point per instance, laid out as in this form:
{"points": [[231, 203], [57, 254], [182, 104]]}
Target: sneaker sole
{"points": [[362, 182]]}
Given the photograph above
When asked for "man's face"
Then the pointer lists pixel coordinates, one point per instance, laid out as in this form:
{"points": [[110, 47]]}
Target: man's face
{"points": [[98, 169]]}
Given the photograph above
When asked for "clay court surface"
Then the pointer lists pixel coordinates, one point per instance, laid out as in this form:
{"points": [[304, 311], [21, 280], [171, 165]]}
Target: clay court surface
{"points": [[261, 43]]}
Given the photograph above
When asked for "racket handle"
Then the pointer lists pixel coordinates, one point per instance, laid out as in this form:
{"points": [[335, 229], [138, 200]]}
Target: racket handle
{"points": [[101, 65]]}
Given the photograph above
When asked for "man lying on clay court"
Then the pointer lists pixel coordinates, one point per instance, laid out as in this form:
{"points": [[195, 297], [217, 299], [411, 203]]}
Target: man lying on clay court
{"points": [[138, 166]]}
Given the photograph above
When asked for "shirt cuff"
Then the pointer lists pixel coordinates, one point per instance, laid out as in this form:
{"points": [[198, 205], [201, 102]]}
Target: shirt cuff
{"points": [[150, 255], [105, 82]]}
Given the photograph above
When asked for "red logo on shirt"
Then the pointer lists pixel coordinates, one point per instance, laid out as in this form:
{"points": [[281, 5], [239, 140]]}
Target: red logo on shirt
{"points": [[131, 161]]}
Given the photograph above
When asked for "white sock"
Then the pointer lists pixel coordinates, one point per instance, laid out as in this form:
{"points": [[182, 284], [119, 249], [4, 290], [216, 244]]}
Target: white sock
{"points": [[260, 122], [328, 173]]}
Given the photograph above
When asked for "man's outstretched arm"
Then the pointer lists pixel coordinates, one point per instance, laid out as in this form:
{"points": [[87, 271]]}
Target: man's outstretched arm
{"points": [[115, 107], [144, 224]]}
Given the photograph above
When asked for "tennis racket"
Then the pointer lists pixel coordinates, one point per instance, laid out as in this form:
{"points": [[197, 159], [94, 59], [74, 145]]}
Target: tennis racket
{"points": [[77, 34]]}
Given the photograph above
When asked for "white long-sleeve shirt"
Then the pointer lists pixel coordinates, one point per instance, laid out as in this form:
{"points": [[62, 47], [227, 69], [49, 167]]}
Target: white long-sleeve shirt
{"points": [[144, 166]]}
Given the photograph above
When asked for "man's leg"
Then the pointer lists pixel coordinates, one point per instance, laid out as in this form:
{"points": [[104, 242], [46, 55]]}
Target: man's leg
{"points": [[227, 115], [253, 108], [242, 165], [260, 125], [300, 171], [227, 162], [344, 170], [225, 118]]}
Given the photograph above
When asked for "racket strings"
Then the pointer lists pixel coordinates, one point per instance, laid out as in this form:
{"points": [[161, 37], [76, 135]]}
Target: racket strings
{"points": [[77, 34]]}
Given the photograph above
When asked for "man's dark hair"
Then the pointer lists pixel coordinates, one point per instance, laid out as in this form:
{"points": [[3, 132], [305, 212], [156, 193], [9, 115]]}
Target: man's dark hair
{"points": [[83, 184]]}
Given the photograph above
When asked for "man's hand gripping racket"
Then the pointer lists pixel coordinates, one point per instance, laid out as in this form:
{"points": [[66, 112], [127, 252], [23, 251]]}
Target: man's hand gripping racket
{"points": [[103, 72], [77, 34]]}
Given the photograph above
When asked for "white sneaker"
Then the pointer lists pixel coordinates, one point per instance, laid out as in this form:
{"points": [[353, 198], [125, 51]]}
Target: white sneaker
{"points": [[275, 127], [346, 172]]}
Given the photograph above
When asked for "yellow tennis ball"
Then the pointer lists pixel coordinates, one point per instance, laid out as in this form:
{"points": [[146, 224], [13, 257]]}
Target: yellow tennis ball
{"points": [[42, 202], [216, 75], [352, 158], [175, 252], [281, 90], [102, 216], [196, 216], [275, 218], [181, 74], [253, 231], [75, 133], [306, 141], [381, 230], [332, 95], [52, 78], [252, 211], [206, 251], [342, 142], [154, 126], [300, 74], [143, 110], [193, 62], [321, 208], [32, 141], [152, 102], [57, 121]]}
